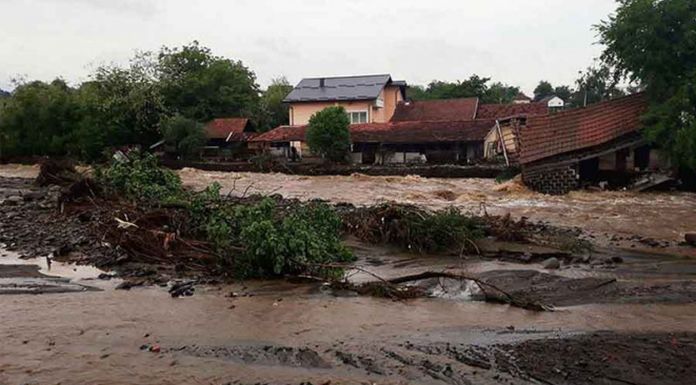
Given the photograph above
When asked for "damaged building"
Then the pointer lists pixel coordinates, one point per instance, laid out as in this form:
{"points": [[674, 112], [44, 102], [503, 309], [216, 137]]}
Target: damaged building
{"points": [[597, 145]]}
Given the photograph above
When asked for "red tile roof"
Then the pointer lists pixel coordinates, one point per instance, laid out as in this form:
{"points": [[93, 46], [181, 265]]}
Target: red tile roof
{"points": [[230, 129], [448, 109], [283, 134], [395, 132], [501, 111], [567, 131]]}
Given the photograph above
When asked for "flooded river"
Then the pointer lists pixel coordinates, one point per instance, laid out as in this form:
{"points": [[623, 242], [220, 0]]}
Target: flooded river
{"points": [[663, 216], [284, 333]]}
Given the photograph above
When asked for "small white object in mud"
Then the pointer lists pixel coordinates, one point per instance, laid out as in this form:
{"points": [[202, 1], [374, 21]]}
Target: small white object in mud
{"points": [[551, 264]]}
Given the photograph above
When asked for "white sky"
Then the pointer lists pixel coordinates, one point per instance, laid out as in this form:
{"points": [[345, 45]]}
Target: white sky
{"points": [[514, 41]]}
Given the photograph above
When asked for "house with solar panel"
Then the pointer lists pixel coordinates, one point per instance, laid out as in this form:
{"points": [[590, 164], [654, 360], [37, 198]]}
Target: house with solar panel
{"points": [[366, 99], [386, 127]]}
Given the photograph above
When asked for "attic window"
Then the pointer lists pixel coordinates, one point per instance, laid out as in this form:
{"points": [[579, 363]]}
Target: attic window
{"points": [[357, 117]]}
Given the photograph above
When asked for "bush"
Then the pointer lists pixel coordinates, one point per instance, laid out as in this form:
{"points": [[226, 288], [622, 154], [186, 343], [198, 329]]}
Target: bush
{"points": [[296, 242], [328, 134], [139, 178]]}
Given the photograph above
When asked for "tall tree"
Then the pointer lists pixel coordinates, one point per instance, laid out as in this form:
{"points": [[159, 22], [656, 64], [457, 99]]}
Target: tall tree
{"points": [[596, 84], [201, 86], [38, 119], [499, 93], [475, 86], [563, 92], [654, 43], [274, 112], [543, 90]]}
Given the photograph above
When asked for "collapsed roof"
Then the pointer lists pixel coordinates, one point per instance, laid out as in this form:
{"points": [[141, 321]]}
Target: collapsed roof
{"points": [[567, 131]]}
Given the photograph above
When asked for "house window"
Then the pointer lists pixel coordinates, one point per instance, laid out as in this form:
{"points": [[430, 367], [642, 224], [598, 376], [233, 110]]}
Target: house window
{"points": [[357, 117]]}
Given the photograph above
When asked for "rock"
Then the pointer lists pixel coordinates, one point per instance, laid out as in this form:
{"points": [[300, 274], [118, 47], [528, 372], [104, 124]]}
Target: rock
{"points": [[551, 264], [13, 200], [617, 259], [690, 238], [33, 196]]}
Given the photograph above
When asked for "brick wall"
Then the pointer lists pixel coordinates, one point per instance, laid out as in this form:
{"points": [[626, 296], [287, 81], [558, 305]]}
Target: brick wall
{"points": [[555, 180]]}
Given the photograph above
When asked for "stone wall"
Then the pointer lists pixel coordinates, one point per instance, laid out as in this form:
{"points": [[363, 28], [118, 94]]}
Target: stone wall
{"points": [[553, 179]]}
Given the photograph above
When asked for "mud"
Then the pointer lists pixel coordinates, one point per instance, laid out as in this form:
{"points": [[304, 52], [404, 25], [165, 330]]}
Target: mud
{"points": [[625, 317]]}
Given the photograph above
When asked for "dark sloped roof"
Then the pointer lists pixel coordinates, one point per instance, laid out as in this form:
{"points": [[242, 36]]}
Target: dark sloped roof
{"points": [[230, 129], [501, 111], [339, 88], [572, 130], [447, 109], [395, 132]]}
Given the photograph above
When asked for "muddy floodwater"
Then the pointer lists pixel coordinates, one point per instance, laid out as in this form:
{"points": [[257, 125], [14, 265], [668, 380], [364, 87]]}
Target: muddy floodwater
{"points": [[661, 215], [664, 216], [629, 322], [289, 333]]}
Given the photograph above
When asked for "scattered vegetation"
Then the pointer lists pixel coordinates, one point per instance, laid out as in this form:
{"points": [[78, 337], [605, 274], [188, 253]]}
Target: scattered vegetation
{"points": [[413, 228]]}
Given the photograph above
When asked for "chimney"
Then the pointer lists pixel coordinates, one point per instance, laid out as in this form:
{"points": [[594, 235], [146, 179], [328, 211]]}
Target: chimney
{"points": [[322, 83]]}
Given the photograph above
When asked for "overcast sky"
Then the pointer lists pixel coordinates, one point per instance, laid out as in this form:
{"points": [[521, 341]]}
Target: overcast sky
{"points": [[514, 41]]}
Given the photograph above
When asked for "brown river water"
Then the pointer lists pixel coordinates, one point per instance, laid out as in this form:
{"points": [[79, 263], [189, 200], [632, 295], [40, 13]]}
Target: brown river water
{"points": [[95, 337], [663, 216]]}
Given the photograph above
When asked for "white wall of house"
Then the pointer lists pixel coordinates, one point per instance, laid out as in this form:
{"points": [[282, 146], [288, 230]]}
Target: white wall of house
{"points": [[556, 102]]}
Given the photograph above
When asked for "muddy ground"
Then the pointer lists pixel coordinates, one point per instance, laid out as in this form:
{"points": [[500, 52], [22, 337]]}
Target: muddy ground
{"points": [[622, 317]]}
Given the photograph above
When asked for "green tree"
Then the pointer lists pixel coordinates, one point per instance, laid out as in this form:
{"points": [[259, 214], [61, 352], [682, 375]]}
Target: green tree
{"points": [[543, 90], [564, 92], [596, 84], [38, 119], [125, 103], [201, 86], [475, 86], [184, 135], [274, 111], [499, 93], [653, 43], [328, 134]]}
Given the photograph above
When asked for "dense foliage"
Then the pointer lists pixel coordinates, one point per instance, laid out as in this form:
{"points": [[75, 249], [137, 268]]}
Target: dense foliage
{"points": [[654, 43], [475, 86], [121, 106], [274, 111], [328, 134], [183, 135], [253, 238]]}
